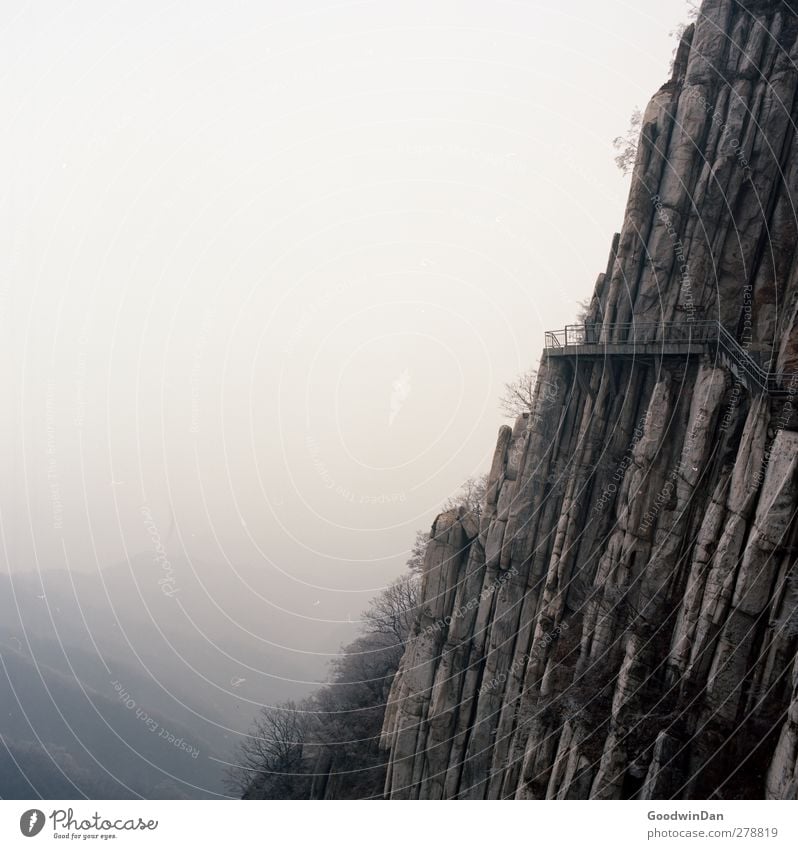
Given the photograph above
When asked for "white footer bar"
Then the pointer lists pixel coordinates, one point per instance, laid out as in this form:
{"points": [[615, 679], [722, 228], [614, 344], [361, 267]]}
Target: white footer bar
{"points": [[400, 825]]}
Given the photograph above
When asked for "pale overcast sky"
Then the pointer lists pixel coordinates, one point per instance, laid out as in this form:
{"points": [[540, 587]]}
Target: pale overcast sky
{"points": [[266, 266]]}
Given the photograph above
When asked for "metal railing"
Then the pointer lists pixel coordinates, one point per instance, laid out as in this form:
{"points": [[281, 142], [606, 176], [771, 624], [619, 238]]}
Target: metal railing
{"points": [[640, 333], [631, 335], [747, 369]]}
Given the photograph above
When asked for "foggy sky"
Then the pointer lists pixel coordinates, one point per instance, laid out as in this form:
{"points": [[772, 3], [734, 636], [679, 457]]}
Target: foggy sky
{"points": [[266, 267]]}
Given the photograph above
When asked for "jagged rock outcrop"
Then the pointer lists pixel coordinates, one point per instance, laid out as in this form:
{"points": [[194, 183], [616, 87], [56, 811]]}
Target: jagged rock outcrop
{"points": [[622, 622]]}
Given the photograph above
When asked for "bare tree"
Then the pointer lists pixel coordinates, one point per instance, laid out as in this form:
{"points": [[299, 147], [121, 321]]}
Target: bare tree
{"points": [[270, 759], [415, 563], [348, 722], [364, 672], [393, 611], [519, 396], [679, 31], [471, 495], [626, 145], [583, 310]]}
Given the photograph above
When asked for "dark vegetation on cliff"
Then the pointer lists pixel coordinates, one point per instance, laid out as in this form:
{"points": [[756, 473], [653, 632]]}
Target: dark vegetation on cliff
{"points": [[327, 745]]}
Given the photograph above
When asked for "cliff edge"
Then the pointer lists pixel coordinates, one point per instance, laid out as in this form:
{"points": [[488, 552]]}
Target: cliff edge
{"points": [[621, 621]]}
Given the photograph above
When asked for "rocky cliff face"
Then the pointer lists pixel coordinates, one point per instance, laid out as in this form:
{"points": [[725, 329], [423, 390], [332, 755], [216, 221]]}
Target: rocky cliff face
{"points": [[620, 622]]}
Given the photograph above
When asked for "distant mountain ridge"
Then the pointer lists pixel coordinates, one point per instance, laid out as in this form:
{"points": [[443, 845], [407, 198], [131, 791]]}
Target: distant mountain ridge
{"points": [[190, 676]]}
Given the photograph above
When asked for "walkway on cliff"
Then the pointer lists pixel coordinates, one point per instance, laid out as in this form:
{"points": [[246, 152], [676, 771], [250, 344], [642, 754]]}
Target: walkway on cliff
{"points": [[670, 339]]}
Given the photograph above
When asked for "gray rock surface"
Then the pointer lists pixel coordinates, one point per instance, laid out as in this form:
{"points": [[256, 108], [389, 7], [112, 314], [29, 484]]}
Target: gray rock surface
{"points": [[621, 623]]}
